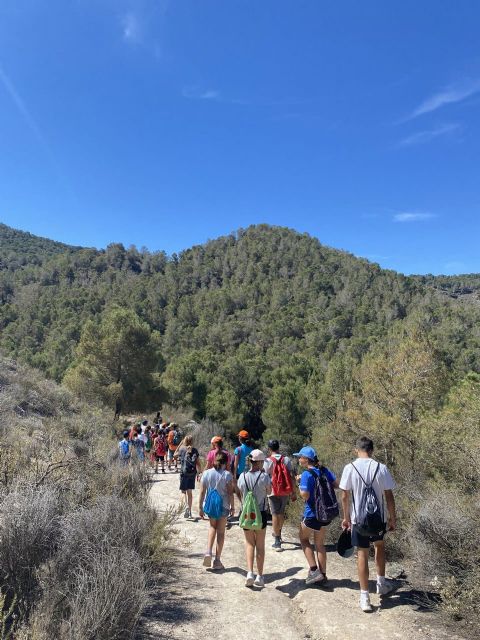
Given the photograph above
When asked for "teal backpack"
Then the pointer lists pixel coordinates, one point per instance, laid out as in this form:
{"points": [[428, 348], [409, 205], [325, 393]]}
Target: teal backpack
{"points": [[250, 517]]}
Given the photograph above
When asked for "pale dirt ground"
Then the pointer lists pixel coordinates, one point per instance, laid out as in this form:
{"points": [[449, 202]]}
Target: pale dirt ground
{"points": [[198, 603]]}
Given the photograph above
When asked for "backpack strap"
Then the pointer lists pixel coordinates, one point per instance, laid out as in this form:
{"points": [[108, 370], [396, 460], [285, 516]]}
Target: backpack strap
{"points": [[219, 480], [367, 485]]}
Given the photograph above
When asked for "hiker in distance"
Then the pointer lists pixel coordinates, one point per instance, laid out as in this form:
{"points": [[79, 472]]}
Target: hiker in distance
{"points": [[371, 486], [280, 470], [317, 488], [254, 486], [217, 484], [190, 469]]}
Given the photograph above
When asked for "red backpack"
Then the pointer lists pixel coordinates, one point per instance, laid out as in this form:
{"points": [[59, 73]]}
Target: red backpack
{"points": [[281, 478]]}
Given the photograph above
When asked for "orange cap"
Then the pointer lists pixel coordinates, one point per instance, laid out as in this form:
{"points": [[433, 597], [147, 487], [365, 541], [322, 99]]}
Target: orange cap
{"points": [[243, 434]]}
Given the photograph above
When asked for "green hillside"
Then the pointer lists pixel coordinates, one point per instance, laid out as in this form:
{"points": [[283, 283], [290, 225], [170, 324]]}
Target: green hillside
{"points": [[235, 320]]}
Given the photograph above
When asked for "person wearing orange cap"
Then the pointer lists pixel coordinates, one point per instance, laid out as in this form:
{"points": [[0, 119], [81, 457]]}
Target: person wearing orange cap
{"points": [[217, 447], [242, 452]]}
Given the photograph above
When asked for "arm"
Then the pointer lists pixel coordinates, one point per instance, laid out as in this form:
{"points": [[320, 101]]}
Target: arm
{"points": [[346, 522], [336, 484], [235, 465], [200, 501], [392, 515], [231, 494]]}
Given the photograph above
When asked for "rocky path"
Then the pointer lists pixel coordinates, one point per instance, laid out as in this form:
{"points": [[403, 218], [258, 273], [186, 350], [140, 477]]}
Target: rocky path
{"points": [[199, 603]]}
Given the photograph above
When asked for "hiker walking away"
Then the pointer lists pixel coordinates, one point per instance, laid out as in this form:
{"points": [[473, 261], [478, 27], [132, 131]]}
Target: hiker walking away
{"points": [[173, 440], [317, 488], [124, 448], [138, 445], [190, 470], [216, 501], [217, 447], [254, 486], [371, 486], [280, 470], [241, 453], [160, 449]]}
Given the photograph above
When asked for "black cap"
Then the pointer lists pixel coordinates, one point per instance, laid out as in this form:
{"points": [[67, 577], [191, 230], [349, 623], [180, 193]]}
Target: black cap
{"points": [[344, 545], [274, 445]]}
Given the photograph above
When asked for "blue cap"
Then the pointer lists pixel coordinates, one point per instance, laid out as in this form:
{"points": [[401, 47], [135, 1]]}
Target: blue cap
{"points": [[306, 452]]}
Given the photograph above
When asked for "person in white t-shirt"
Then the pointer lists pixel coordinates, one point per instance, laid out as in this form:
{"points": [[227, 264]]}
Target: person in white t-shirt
{"points": [[362, 472]]}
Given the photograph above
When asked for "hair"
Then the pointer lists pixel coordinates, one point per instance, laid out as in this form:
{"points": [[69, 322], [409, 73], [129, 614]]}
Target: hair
{"points": [[221, 459], [273, 445], [219, 445], [188, 440], [364, 444]]}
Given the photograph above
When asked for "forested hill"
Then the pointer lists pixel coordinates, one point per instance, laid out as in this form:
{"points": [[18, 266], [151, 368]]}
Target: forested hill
{"points": [[236, 321]]}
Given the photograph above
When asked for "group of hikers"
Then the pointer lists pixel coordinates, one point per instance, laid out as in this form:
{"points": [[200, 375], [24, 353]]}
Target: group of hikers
{"points": [[155, 444], [264, 484]]}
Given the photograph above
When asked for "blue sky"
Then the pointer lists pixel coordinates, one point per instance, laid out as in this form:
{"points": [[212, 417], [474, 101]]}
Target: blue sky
{"points": [[163, 123]]}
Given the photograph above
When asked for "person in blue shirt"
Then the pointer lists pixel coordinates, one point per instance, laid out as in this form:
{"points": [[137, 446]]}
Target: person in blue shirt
{"points": [[241, 454], [310, 526]]}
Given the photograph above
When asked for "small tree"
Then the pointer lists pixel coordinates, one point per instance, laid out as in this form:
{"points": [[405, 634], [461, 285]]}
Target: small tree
{"points": [[116, 362]]}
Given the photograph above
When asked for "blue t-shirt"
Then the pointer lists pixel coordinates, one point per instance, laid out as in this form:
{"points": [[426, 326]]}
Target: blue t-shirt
{"points": [[243, 450], [307, 483]]}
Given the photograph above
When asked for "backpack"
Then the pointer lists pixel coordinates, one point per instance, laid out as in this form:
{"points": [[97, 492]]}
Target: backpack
{"points": [[124, 449], [281, 478], [148, 443], [213, 505], [326, 505], [177, 438], [250, 516], [189, 462], [160, 446], [369, 517]]}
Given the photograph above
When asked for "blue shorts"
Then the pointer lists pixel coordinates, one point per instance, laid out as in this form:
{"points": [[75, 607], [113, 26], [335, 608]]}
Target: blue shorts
{"points": [[363, 542]]}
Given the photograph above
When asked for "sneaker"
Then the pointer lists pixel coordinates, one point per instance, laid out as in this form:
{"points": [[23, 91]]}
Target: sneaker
{"points": [[207, 560], [385, 588], [314, 576], [186, 513], [365, 604], [250, 581], [277, 545], [217, 565], [259, 582]]}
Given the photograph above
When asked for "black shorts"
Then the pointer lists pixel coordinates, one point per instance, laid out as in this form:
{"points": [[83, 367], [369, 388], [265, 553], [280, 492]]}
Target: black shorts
{"points": [[161, 458], [264, 519], [363, 542], [187, 482], [314, 524]]}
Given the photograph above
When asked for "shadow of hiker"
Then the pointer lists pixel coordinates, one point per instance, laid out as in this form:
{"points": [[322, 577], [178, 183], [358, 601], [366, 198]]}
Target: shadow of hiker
{"points": [[422, 601], [278, 575], [295, 585]]}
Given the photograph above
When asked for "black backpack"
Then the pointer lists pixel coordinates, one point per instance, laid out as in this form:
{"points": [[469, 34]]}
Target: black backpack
{"points": [[189, 461], [369, 514], [326, 505]]}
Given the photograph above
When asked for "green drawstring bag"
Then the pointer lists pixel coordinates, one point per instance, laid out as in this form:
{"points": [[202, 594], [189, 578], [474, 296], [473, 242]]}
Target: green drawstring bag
{"points": [[250, 517]]}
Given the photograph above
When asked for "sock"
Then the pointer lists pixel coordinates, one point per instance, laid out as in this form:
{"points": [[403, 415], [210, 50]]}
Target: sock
{"points": [[364, 594], [381, 580], [313, 568]]}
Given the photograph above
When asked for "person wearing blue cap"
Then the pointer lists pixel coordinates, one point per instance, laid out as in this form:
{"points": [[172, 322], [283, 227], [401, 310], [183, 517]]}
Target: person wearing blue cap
{"points": [[311, 525]]}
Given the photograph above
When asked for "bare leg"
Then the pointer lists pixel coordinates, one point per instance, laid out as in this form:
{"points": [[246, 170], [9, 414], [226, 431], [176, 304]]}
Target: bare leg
{"points": [[277, 524], [190, 498], [362, 563], [319, 538], [380, 557], [249, 548], [212, 533], [260, 549], [221, 524], [304, 537]]}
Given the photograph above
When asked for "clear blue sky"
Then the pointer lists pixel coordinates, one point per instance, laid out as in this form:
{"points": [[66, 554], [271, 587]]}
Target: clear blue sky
{"points": [[163, 123]]}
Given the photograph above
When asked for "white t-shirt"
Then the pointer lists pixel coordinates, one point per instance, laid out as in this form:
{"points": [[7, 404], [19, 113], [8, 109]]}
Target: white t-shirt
{"points": [[213, 479], [351, 481], [263, 485], [268, 465]]}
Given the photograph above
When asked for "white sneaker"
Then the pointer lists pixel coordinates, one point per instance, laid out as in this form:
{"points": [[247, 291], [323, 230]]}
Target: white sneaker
{"points": [[387, 587], [314, 576], [259, 582], [250, 581], [365, 604]]}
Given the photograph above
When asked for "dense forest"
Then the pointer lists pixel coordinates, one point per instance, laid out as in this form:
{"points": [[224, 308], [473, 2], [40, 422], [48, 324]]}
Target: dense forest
{"points": [[269, 330], [250, 329]]}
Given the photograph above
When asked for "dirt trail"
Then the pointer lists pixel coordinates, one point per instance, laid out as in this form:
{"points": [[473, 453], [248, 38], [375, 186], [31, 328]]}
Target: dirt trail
{"points": [[198, 603]]}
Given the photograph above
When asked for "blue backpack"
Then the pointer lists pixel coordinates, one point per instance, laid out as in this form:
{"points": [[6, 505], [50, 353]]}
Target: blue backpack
{"points": [[213, 505], [124, 449]]}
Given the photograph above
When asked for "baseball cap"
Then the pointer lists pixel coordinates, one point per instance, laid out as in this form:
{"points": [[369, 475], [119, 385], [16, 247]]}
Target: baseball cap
{"points": [[344, 545], [306, 452], [257, 456], [243, 434]]}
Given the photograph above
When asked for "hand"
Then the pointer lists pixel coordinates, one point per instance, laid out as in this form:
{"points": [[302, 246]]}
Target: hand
{"points": [[201, 514], [346, 523], [392, 524], [293, 497]]}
